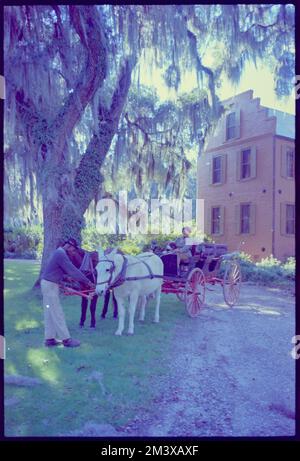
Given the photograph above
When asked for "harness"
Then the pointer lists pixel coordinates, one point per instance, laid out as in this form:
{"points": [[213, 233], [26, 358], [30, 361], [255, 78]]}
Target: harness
{"points": [[121, 277], [87, 265]]}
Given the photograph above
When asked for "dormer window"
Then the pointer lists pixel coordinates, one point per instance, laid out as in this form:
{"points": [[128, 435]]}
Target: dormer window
{"points": [[232, 127]]}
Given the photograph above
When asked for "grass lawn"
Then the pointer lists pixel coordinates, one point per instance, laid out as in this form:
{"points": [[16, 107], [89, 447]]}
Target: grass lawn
{"points": [[105, 381]]}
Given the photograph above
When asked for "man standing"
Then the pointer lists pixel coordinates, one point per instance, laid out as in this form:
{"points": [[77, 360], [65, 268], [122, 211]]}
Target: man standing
{"points": [[58, 266]]}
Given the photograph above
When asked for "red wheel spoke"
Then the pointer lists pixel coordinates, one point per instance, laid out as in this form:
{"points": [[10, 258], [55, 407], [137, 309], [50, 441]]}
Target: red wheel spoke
{"points": [[195, 292]]}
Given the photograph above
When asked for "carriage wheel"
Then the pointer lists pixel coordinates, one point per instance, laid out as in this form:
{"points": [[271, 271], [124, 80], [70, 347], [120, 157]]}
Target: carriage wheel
{"points": [[232, 283], [195, 292]]}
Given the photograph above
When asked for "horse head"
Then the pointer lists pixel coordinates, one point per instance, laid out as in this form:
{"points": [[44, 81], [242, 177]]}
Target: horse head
{"points": [[105, 270]]}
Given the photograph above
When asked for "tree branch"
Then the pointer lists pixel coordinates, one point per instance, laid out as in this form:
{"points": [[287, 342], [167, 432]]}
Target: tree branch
{"points": [[88, 177], [211, 79], [121, 91], [90, 79], [148, 133]]}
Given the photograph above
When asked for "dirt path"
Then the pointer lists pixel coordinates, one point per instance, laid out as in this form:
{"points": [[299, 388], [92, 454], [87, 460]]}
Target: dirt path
{"points": [[230, 371]]}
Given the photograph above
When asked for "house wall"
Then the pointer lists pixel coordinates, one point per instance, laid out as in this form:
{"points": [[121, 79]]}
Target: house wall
{"points": [[257, 130], [284, 193]]}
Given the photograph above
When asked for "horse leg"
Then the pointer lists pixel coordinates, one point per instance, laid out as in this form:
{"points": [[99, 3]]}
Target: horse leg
{"points": [[142, 308], [93, 306], [157, 301], [84, 305], [105, 305], [121, 316], [132, 307], [115, 306]]}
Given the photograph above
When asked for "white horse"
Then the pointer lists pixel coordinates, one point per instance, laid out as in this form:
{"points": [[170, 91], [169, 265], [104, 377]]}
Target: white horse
{"points": [[113, 266]]}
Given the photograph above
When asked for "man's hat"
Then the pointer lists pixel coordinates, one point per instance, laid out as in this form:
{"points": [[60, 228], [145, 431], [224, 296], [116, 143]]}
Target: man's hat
{"points": [[71, 242]]}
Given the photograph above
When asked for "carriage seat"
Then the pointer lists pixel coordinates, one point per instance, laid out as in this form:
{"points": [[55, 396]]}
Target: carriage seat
{"points": [[211, 249]]}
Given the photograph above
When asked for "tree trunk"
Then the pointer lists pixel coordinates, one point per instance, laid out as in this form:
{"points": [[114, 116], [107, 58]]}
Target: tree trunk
{"points": [[65, 203]]}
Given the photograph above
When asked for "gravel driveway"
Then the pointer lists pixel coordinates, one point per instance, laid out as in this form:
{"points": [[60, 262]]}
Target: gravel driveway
{"points": [[231, 372]]}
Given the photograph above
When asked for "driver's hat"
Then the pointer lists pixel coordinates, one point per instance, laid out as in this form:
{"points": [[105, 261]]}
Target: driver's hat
{"points": [[71, 242]]}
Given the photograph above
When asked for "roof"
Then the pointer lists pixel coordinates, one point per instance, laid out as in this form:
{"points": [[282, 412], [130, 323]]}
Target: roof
{"points": [[285, 123]]}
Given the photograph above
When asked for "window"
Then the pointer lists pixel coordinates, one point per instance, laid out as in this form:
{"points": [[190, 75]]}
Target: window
{"points": [[290, 155], [245, 219], [246, 164], [287, 219], [215, 220], [287, 162], [217, 169], [217, 172], [290, 219], [231, 126]]}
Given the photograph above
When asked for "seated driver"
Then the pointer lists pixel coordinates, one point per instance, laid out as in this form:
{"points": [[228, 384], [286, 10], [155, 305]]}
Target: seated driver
{"points": [[180, 248]]}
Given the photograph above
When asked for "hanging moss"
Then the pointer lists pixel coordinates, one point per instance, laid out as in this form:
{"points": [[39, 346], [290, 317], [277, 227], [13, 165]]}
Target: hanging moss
{"points": [[62, 46]]}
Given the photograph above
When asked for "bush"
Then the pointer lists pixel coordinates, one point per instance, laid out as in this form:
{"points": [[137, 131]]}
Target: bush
{"points": [[92, 239], [27, 243], [269, 271], [289, 268], [23, 242]]}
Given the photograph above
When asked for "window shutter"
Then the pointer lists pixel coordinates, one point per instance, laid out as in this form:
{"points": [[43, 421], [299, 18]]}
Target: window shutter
{"points": [[253, 161], [283, 219], [252, 219], [237, 219], [283, 168], [289, 153], [223, 168], [238, 165], [222, 221], [238, 123]]}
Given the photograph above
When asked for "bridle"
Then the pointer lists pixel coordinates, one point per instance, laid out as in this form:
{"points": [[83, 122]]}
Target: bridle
{"points": [[110, 270]]}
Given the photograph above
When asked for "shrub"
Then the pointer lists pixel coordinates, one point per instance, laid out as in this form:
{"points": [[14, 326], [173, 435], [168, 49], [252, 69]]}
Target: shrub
{"points": [[289, 268], [268, 271], [23, 242], [27, 243]]}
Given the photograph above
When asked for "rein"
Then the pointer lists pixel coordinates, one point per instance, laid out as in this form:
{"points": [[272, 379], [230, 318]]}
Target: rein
{"points": [[88, 294], [87, 267]]}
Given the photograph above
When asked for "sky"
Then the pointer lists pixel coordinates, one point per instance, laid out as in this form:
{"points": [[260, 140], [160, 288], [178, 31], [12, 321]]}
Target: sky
{"points": [[260, 80]]}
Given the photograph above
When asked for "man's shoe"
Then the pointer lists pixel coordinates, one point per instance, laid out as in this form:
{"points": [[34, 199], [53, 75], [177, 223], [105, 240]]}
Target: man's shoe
{"points": [[52, 342], [70, 342]]}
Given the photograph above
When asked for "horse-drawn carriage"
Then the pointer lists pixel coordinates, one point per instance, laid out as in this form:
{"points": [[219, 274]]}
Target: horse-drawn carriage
{"points": [[189, 281]]}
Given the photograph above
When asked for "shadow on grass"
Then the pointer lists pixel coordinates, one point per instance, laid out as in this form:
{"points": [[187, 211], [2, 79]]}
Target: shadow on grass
{"points": [[71, 393]]}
